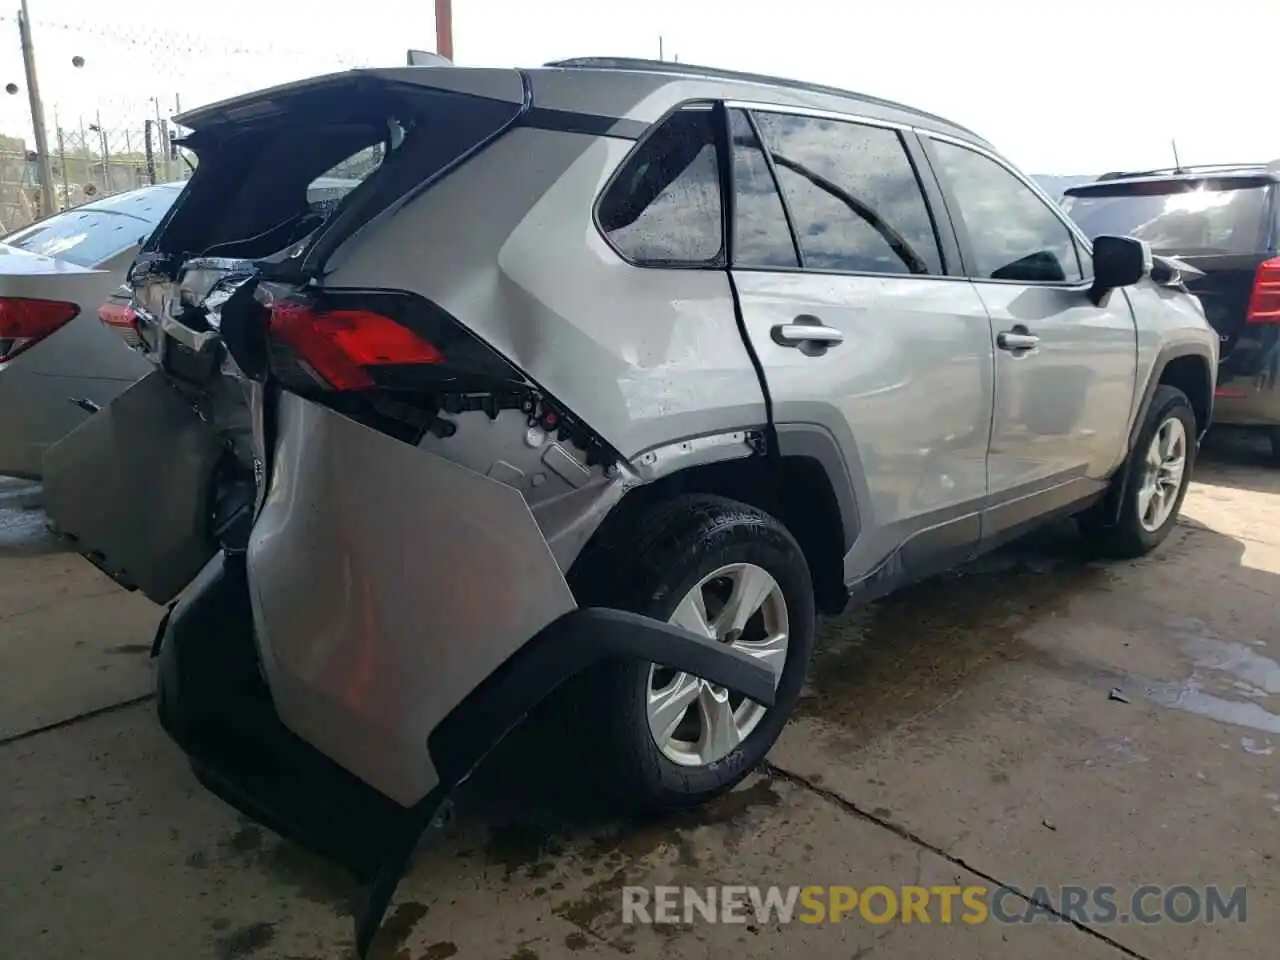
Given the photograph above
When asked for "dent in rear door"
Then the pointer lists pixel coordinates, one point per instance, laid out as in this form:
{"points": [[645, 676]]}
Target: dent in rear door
{"points": [[907, 391]]}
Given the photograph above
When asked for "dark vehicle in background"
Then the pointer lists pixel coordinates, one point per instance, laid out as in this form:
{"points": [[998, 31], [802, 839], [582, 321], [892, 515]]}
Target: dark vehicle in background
{"points": [[1225, 222]]}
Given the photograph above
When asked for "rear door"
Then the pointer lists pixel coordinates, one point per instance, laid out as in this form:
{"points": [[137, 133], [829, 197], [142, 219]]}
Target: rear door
{"points": [[1065, 368], [847, 299]]}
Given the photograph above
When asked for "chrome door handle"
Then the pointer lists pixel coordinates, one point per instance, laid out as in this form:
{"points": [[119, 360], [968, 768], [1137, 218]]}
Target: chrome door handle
{"points": [[1016, 341], [796, 334]]}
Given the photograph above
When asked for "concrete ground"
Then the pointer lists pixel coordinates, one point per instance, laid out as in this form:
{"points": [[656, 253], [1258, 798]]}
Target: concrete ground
{"points": [[1034, 721]]}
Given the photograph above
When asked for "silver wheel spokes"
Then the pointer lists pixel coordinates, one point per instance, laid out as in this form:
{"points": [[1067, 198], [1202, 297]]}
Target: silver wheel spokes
{"points": [[695, 722], [1163, 470]]}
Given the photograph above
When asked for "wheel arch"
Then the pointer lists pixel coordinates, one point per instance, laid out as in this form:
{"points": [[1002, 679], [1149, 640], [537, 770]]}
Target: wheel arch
{"points": [[1189, 366], [804, 483]]}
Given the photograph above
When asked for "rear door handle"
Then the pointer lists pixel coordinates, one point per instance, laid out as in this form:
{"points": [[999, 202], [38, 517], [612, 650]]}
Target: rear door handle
{"points": [[1017, 341], [801, 332]]}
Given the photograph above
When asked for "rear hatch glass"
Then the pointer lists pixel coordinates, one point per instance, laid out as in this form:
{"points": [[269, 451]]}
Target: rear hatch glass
{"points": [[1202, 216], [281, 169]]}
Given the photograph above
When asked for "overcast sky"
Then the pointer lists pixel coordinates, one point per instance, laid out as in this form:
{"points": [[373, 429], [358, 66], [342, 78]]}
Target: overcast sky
{"points": [[1060, 88]]}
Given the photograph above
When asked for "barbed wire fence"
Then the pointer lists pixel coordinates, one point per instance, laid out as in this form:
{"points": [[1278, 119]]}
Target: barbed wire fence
{"points": [[91, 157]]}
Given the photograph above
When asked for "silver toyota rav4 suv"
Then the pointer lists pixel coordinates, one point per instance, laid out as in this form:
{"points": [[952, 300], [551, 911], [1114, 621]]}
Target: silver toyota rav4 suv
{"points": [[607, 378]]}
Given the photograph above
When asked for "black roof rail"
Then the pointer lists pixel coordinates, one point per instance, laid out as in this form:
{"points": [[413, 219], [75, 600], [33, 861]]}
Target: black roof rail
{"points": [[680, 68]]}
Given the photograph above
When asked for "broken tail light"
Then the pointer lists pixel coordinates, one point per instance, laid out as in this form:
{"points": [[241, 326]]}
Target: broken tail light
{"points": [[123, 320], [24, 322], [403, 365], [1264, 303], [341, 345]]}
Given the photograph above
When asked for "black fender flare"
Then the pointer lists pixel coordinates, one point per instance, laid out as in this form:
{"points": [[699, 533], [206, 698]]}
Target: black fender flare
{"points": [[818, 443], [1123, 476], [1167, 355]]}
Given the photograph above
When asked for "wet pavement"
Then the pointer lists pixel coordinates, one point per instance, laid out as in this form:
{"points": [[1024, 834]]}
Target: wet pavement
{"points": [[1036, 720]]}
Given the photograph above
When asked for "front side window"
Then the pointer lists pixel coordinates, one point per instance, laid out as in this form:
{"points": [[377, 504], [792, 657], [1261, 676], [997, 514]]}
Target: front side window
{"points": [[853, 194], [664, 208], [1013, 234]]}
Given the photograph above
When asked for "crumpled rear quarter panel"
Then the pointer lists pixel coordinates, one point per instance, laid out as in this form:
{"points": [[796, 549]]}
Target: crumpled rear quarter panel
{"points": [[387, 583]]}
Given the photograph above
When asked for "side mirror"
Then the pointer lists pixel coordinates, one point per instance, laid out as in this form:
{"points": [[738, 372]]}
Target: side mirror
{"points": [[1118, 262]]}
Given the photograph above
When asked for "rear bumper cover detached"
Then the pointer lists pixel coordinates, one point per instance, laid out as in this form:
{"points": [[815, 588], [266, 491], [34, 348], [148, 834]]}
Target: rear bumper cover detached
{"points": [[213, 702]]}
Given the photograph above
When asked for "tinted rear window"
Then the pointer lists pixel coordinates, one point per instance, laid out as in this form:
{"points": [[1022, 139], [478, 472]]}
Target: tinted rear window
{"points": [[91, 234], [1177, 216]]}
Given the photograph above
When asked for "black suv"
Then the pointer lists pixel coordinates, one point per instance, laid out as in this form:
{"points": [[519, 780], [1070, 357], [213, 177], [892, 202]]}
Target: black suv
{"points": [[1225, 222]]}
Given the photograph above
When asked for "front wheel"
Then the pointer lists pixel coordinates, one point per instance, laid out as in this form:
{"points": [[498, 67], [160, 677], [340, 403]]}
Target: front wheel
{"points": [[662, 739], [1159, 470]]}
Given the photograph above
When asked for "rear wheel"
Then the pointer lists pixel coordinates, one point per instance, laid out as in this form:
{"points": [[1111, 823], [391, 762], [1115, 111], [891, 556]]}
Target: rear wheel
{"points": [[662, 739], [1159, 470]]}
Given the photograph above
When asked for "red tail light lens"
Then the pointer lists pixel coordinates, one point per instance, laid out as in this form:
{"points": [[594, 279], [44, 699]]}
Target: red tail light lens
{"points": [[340, 344], [123, 320], [117, 315], [25, 322], [1264, 304]]}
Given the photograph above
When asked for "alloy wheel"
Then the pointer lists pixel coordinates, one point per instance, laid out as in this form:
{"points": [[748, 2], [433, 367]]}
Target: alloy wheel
{"points": [[695, 722]]}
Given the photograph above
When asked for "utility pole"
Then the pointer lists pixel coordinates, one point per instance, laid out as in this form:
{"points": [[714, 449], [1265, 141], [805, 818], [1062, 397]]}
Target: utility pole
{"points": [[444, 29], [43, 161], [660, 56]]}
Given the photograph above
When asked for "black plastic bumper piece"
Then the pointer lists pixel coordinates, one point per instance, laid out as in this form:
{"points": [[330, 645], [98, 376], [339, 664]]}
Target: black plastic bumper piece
{"points": [[213, 702]]}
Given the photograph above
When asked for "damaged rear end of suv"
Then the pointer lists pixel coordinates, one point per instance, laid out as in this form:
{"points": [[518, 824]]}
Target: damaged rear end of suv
{"points": [[359, 495]]}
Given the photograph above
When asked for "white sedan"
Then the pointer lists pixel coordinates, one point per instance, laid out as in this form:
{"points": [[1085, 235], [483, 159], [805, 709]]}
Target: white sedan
{"points": [[57, 361]]}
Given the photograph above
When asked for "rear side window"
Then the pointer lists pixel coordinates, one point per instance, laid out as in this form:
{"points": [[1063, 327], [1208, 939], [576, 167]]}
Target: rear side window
{"points": [[853, 195], [762, 237], [663, 207], [1014, 235], [1177, 216]]}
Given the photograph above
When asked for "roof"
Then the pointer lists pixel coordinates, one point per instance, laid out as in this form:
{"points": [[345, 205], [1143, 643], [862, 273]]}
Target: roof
{"points": [[694, 71]]}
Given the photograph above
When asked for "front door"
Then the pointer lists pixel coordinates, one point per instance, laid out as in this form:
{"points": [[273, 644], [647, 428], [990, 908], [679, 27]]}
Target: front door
{"points": [[1065, 368], [846, 300]]}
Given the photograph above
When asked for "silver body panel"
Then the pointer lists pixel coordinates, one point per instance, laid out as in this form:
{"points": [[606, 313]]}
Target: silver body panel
{"points": [[911, 383], [1055, 410], [644, 356], [146, 524], [387, 582]]}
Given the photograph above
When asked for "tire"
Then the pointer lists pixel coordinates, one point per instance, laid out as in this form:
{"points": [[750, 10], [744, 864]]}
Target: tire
{"points": [[1127, 536], [1275, 446], [649, 565]]}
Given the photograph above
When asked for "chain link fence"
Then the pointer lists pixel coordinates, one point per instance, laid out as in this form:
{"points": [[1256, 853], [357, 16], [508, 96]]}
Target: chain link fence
{"points": [[88, 162]]}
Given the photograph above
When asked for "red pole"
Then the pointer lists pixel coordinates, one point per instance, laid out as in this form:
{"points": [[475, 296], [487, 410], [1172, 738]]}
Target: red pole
{"points": [[444, 28]]}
